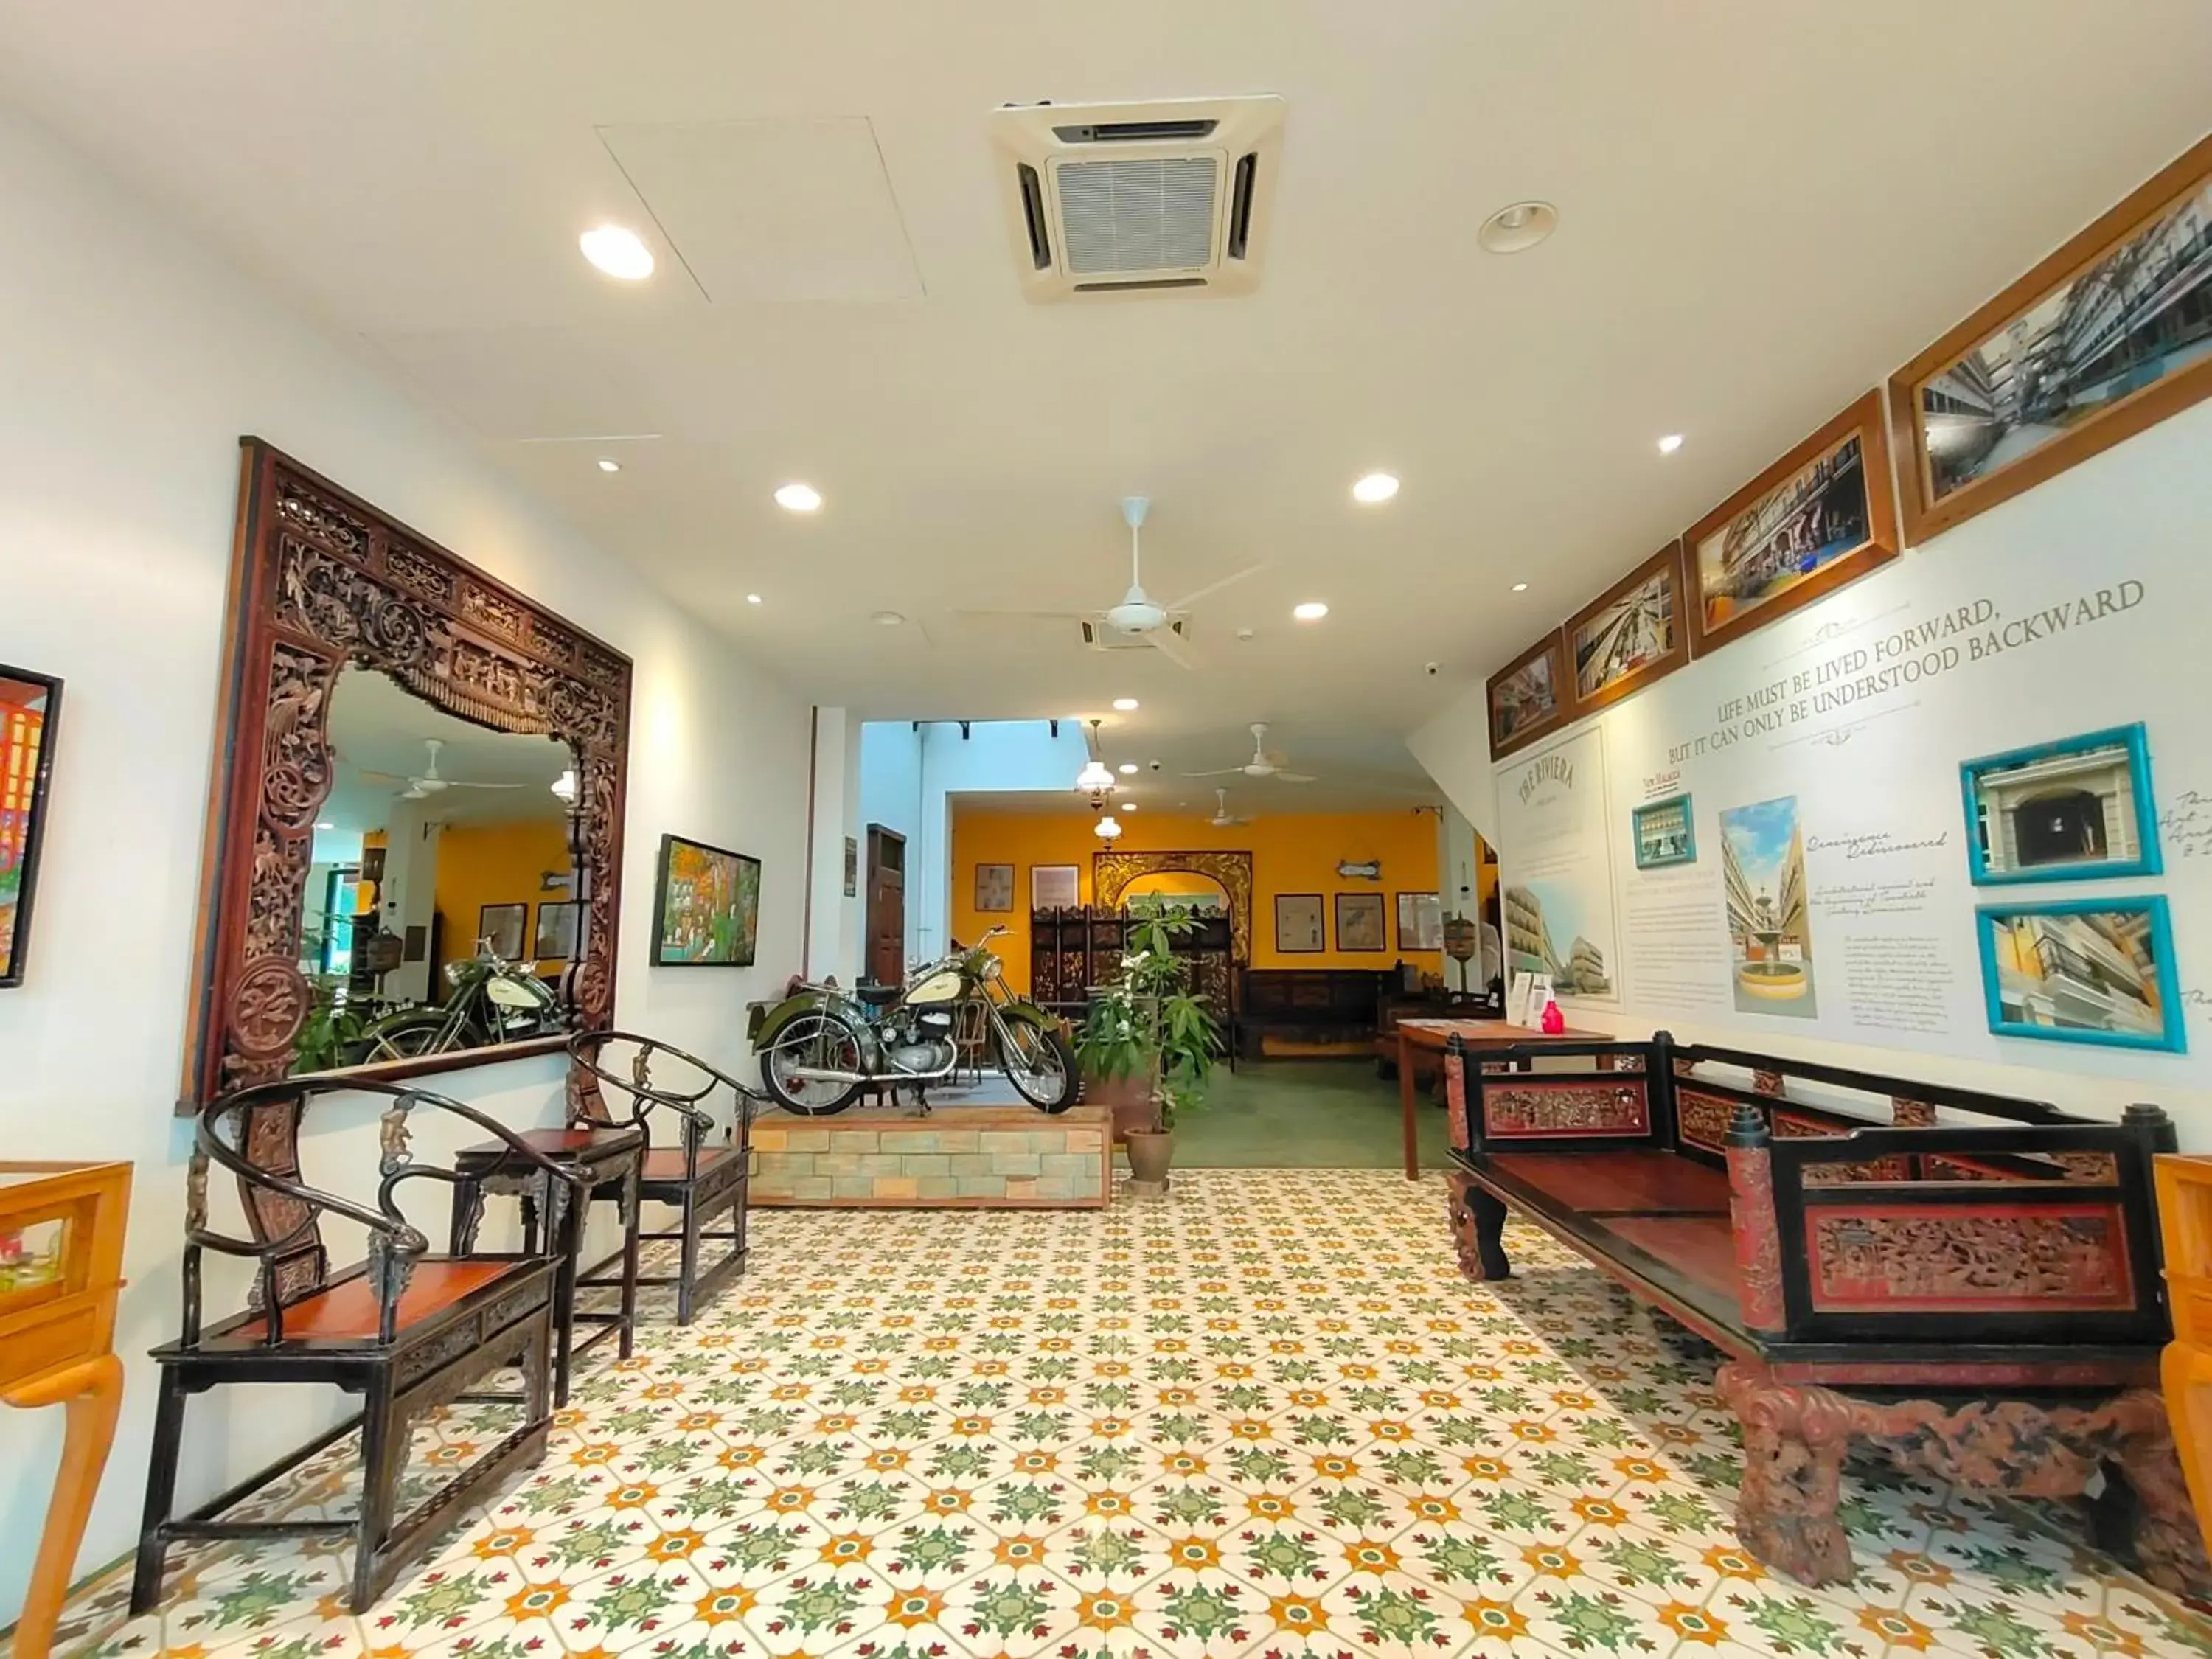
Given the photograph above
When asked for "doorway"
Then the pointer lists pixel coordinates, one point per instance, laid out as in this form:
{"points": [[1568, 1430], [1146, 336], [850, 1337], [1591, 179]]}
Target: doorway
{"points": [[2057, 829], [886, 906]]}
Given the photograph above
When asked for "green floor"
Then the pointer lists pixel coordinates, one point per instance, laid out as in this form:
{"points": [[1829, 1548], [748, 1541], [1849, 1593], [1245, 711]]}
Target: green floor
{"points": [[1302, 1114]]}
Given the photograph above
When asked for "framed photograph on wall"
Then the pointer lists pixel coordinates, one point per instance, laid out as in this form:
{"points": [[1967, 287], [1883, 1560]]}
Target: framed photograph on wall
{"points": [[1420, 921], [499, 930], [1055, 887], [1631, 635], [1528, 695], [994, 887], [30, 715], [1360, 923], [2085, 970], [1821, 516], [706, 906], [556, 939], [2074, 810], [2109, 335], [1665, 834], [852, 868], [1300, 924]]}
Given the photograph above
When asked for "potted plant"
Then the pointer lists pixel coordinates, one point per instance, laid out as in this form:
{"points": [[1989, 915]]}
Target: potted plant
{"points": [[1147, 1025]]}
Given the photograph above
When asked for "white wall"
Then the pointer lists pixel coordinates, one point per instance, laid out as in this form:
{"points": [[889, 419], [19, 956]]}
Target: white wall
{"points": [[890, 795], [1897, 983], [832, 944], [131, 360]]}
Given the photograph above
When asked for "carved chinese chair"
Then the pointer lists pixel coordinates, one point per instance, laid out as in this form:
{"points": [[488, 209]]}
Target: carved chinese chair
{"points": [[409, 1331], [1965, 1282], [703, 1178]]}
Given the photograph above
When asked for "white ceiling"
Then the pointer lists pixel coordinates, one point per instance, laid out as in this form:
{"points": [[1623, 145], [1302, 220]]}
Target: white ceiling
{"points": [[1765, 208]]}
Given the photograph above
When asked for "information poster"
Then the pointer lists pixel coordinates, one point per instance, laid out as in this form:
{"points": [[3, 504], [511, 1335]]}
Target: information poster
{"points": [[1557, 864]]}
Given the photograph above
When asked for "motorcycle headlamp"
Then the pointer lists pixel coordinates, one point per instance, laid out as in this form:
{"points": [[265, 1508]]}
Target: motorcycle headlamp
{"points": [[992, 966], [454, 970]]}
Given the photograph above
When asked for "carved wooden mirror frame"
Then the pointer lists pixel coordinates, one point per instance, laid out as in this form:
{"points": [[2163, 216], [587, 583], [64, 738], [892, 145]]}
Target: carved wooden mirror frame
{"points": [[319, 579], [1112, 872]]}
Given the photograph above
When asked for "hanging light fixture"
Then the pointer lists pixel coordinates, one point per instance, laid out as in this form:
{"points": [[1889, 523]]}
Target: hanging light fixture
{"points": [[565, 786], [1094, 780], [1107, 828]]}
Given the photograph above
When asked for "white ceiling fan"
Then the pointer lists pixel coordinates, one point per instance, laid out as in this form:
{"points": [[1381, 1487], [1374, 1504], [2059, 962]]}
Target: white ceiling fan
{"points": [[1266, 763], [429, 783], [1223, 817], [1138, 616]]}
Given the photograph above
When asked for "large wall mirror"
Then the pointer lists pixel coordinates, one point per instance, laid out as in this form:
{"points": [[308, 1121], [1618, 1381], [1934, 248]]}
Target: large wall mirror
{"points": [[414, 839]]}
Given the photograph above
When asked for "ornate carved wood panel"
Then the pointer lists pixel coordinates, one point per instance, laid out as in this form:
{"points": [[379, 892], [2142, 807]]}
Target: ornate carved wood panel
{"points": [[1111, 873], [1969, 1258], [1527, 1108], [319, 579]]}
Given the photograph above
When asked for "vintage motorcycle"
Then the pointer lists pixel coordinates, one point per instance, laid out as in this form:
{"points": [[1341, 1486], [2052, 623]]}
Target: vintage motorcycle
{"points": [[488, 1000], [820, 1046]]}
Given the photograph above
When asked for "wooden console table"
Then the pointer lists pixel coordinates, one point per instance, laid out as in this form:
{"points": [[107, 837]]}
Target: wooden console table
{"points": [[1419, 1036], [61, 1266]]}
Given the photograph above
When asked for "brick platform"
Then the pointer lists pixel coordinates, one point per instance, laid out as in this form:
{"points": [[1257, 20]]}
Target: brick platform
{"points": [[980, 1156]]}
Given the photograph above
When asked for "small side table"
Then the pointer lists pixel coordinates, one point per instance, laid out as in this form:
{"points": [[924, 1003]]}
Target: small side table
{"points": [[612, 1159], [61, 1266]]}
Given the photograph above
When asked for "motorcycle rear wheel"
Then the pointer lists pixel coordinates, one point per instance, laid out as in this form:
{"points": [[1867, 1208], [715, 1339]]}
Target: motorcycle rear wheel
{"points": [[818, 1040]]}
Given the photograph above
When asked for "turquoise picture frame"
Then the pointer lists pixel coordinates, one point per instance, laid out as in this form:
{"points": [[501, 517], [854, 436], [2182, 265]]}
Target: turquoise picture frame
{"points": [[2083, 966], [1661, 859], [1992, 816]]}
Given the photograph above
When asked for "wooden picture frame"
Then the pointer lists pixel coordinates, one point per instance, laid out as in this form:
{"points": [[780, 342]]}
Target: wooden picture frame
{"points": [[30, 719], [1360, 917], [1966, 411], [1529, 698], [716, 928], [1635, 632], [1299, 918], [994, 888], [1791, 499], [1412, 935]]}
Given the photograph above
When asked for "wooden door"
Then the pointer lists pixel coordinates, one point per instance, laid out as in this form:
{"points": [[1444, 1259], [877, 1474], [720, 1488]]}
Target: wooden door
{"points": [[886, 913]]}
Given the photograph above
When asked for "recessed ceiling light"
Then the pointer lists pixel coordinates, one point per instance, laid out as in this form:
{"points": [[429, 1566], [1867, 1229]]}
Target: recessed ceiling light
{"points": [[1670, 443], [1128, 767], [1376, 487], [1127, 705], [618, 252], [752, 599], [1127, 806], [1519, 228], [887, 618], [799, 498], [324, 823], [609, 464], [1520, 588], [1311, 610]]}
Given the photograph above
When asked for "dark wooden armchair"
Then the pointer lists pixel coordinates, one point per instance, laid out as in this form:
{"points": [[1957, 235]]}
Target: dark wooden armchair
{"points": [[407, 1331], [702, 1178]]}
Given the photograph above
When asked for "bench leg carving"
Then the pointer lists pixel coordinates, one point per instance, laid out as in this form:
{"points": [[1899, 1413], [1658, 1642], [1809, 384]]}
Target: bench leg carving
{"points": [[1478, 1224], [1795, 1438]]}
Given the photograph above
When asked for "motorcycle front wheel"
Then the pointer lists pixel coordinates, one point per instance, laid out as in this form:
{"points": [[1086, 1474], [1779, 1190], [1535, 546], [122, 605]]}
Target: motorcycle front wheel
{"points": [[812, 1042], [1038, 1061]]}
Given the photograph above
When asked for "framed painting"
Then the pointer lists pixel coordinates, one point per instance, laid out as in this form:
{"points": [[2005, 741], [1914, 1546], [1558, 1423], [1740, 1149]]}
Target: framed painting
{"points": [[2109, 335], [2076, 810], [1420, 921], [1055, 887], [1360, 923], [994, 887], [555, 938], [499, 929], [2087, 971], [1300, 926], [852, 868], [30, 715], [1631, 635], [1821, 516], [1528, 697], [1665, 834], [706, 906]]}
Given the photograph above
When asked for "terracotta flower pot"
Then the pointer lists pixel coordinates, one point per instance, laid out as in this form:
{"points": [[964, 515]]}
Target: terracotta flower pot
{"points": [[1151, 1151], [1130, 1099]]}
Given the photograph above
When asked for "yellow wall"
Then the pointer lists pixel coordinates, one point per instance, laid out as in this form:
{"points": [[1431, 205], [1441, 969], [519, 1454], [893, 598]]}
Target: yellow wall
{"points": [[1290, 855], [494, 864]]}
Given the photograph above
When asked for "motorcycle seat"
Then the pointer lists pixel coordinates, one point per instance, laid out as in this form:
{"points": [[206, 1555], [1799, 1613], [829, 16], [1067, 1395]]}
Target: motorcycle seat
{"points": [[877, 996]]}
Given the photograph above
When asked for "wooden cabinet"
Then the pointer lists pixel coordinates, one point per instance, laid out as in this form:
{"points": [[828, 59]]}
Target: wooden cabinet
{"points": [[2185, 1211]]}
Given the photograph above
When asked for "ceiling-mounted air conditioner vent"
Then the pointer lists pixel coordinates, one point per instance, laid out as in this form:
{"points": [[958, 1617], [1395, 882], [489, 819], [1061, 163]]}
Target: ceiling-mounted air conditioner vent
{"points": [[1130, 198]]}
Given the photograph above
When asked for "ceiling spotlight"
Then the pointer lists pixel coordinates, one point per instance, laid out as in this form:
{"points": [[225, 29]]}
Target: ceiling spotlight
{"points": [[1670, 443], [1311, 610], [1520, 588], [609, 464], [1375, 488], [1127, 705], [887, 618], [618, 252], [752, 599], [1128, 767], [1517, 229], [799, 498]]}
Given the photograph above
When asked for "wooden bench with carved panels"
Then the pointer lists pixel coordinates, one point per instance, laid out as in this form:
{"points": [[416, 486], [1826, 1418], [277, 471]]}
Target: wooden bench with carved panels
{"points": [[1966, 1282]]}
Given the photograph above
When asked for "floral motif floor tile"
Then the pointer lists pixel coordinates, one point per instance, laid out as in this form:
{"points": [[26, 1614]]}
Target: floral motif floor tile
{"points": [[1263, 1417]]}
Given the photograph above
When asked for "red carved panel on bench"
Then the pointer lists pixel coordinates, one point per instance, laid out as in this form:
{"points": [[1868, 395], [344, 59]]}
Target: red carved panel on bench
{"points": [[1968, 1258], [1702, 1119], [2069, 1169], [1530, 1107]]}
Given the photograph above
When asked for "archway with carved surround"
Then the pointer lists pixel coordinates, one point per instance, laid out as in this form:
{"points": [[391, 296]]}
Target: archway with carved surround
{"points": [[1111, 873]]}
